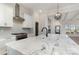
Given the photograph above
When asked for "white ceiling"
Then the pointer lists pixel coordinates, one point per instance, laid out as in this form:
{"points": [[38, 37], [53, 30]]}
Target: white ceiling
{"points": [[46, 6]]}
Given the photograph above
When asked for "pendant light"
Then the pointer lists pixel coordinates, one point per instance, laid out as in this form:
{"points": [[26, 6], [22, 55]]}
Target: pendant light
{"points": [[58, 14]]}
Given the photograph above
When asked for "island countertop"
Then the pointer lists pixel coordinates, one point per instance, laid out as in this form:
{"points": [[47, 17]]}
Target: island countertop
{"points": [[42, 45]]}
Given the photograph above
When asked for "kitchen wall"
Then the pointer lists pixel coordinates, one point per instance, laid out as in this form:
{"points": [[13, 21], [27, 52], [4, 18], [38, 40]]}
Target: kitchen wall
{"points": [[5, 32], [70, 15], [41, 18]]}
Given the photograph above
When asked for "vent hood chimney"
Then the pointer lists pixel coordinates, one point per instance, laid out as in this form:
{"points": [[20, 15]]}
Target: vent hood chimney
{"points": [[17, 14]]}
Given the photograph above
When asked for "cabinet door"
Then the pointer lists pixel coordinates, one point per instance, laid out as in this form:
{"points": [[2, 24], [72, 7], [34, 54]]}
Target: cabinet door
{"points": [[28, 23], [2, 15], [8, 16]]}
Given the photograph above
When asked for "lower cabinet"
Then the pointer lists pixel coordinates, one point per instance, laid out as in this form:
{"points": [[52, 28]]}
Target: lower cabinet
{"points": [[3, 42]]}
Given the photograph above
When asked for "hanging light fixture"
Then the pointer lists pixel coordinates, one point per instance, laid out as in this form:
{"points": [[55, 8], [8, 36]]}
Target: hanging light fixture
{"points": [[58, 14]]}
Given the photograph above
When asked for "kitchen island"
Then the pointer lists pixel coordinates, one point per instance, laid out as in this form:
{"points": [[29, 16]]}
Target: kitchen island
{"points": [[54, 44]]}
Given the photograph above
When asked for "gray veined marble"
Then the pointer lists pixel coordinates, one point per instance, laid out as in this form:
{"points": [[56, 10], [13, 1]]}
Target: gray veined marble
{"points": [[42, 45]]}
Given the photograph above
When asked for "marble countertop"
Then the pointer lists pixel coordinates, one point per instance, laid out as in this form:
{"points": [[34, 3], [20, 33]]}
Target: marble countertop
{"points": [[42, 45]]}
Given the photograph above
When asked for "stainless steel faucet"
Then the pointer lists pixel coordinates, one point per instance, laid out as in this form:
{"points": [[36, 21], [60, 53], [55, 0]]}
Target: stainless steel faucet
{"points": [[46, 31]]}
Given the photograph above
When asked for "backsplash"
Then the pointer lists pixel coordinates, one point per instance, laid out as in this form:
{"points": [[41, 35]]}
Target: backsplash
{"points": [[6, 32]]}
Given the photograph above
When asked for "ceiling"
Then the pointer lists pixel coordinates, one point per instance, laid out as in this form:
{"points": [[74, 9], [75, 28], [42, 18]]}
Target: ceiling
{"points": [[46, 6]]}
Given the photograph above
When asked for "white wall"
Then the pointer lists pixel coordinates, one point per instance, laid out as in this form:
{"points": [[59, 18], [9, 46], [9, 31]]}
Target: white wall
{"points": [[41, 18], [6, 32], [70, 15]]}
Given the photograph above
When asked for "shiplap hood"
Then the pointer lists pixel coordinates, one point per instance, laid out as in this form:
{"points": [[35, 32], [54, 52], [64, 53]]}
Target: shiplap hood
{"points": [[17, 13]]}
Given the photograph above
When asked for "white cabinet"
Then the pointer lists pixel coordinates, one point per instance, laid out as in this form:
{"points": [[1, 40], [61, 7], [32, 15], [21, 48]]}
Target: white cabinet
{"points": [[6, 16], [1, 15], [3, 49], [9, 16], [28, 23], [3, 42]]}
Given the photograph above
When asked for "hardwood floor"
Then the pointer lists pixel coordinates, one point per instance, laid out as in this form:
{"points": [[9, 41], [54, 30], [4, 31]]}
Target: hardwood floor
{"points": [[76, 39]]}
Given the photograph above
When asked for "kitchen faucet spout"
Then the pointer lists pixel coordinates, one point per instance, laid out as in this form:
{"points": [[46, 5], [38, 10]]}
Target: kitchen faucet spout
{"points": [[46, 31]]}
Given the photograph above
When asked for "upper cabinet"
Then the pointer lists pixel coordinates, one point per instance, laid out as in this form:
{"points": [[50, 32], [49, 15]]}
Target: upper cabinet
{"points": [[28, 23], [6, 16]]}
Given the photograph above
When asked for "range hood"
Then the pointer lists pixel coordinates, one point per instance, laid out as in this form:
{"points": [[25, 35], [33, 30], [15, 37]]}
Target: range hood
{"points": [[17, 14]]}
